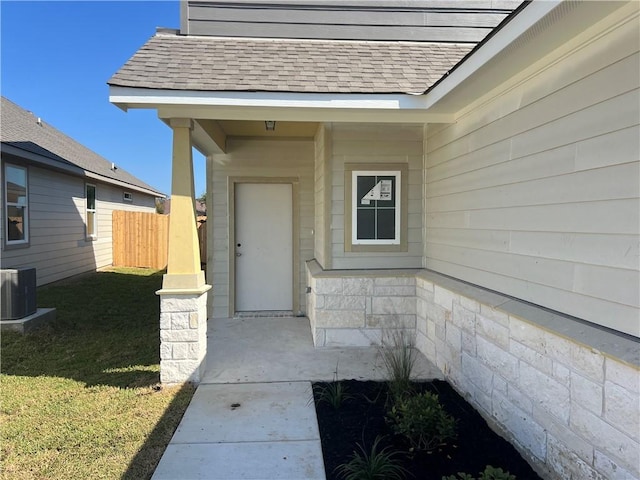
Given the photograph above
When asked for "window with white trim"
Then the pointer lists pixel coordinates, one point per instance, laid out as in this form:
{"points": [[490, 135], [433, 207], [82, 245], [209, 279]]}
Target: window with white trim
{"points": [[127, 197], [91, 214], [375, 207], [16, 205]]}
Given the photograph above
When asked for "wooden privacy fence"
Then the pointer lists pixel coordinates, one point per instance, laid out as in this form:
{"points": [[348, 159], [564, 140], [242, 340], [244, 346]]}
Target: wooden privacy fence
{"points": [[140, 239]]}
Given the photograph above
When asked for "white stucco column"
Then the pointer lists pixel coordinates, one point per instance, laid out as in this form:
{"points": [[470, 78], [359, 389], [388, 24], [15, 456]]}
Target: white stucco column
{"points": [[183, 298]]}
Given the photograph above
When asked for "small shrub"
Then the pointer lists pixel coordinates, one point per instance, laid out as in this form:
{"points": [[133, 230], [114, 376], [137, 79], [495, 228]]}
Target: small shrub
{"points": [[399, 358], [334, 393], [372, 465], [490, 473], [423, 421]]}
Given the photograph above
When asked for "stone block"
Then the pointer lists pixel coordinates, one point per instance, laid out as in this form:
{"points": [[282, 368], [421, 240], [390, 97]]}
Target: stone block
{"points": [[179, 371], [525, 431], [387, 305], [431, 329], [559, 430], [584, 360], [179, 303], [545, 391], [477, 373], [421, 308], [435, 312], [398, 291], [195, 351], [561, 373], [453, 337], [180, 320], [187, 335], [425, 284], [391, 321], [180, 351], [444, 298], [567, 464], [352, 337], [331, 286], [469, 304], [498, 360], [464, 318], [610, 469], [532, 357], [394, 282], [527, 334], [469, 343], [623, 375], [340, 302], [339, 319], [193, 320], [586, 393], [357, 286], [165, 320], [425, 295], [622, 409], [519, 399], [492, 331], [495, 315], [606, 438], [166, 351], [500, 385]]}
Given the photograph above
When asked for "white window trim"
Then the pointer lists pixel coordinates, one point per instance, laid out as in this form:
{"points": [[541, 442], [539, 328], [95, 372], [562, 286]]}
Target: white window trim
{"points": [[354, 206], [127, 197], [7, 204], [88, 210]]}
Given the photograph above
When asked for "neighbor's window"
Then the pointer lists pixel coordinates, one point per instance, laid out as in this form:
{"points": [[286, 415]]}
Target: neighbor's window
{"points": [[92, 231], [127, 197], [16, 204]]}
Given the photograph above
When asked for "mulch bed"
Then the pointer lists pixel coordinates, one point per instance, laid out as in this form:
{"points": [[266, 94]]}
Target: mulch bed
{"points": [[360, 419]]}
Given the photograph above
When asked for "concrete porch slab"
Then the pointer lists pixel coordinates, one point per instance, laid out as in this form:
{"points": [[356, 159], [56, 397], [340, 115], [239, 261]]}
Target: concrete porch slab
{"points": [[263, 412], [248, 460], [250, 350]]}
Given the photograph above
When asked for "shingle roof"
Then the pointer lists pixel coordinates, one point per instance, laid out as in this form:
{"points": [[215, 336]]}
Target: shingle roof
{"points": [[21, 129], [174, 62]]}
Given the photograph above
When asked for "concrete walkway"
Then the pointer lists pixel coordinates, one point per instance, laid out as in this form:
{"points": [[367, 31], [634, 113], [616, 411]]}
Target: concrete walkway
{"points": [[253, 417]]}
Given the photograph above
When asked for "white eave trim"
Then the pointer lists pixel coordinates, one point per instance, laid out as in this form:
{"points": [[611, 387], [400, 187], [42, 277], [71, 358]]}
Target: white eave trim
{"points": [[120, 183], [278, 105]]}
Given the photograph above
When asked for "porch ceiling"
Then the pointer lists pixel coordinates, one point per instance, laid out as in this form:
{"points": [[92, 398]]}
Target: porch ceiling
{"points": [[245, 128]]}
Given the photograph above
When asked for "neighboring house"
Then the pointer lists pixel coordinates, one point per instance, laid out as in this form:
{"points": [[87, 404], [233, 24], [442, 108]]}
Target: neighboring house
{"points": [[57, 199], [371, 165]]}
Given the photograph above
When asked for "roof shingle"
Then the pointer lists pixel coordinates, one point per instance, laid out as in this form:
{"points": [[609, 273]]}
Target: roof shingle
{"points": [[173, 62]]}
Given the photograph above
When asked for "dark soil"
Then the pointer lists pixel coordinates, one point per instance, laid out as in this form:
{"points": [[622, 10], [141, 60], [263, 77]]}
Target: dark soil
{"points": [[361, 418]]}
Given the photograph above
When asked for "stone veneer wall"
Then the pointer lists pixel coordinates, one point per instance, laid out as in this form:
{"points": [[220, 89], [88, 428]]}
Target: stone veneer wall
{"points": [[183, 337], [570, 408]]}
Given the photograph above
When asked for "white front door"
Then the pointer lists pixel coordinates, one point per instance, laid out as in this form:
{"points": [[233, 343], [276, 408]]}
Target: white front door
{"points": [[263, 247]]}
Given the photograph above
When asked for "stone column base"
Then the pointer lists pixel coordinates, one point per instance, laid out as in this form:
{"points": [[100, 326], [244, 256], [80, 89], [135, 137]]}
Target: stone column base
{"points": [[183, 335]]}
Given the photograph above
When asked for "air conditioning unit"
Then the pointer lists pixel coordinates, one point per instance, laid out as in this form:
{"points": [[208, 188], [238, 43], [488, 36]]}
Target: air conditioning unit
{"points": [[18, 293]]}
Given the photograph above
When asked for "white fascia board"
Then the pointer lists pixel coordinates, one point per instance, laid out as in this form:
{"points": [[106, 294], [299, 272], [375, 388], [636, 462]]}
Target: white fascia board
{"points": [[528, 17], [278, 105]]}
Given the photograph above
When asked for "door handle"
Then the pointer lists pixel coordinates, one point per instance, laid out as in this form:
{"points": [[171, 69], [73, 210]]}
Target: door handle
{"points": [[238, 254]]}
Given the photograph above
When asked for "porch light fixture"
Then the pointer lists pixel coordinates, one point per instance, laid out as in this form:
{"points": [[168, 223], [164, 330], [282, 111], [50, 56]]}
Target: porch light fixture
{"points": [[270, 125]]}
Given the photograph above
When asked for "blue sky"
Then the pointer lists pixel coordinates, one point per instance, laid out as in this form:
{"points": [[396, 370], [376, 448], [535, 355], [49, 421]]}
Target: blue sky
{"points": [[56, 58]]}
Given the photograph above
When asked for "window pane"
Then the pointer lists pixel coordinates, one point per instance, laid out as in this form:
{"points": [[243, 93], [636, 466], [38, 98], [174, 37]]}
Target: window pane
{"points": [[91, 197], [365, 184], [366, 224], [16, 184], [386, 224], [15, 223], [91, 222]]}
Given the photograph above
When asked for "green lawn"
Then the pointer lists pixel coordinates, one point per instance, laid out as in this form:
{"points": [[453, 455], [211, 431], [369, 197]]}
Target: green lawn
{"points": [[80, 398]]}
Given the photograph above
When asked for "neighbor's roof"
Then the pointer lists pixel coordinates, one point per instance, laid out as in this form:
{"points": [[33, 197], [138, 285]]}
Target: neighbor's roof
{"points": [[169, 61], [22, 130]]}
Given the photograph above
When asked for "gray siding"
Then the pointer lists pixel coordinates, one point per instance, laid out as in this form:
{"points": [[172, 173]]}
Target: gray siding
{"points": [[58, 247], [248, 157], [371, 143], [417, 20], [534, 192]]}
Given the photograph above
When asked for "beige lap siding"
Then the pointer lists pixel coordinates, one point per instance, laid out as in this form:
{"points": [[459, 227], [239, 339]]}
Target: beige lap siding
{"points": [[534, 191]]}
